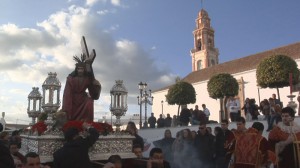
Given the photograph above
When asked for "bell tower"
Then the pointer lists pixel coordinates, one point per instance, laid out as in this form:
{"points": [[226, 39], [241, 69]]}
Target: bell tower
{"points": [[204, 54]]}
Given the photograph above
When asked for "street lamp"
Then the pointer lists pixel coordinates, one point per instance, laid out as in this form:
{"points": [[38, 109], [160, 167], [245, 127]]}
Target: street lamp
{"points": [[145, 97], [162, 107]]}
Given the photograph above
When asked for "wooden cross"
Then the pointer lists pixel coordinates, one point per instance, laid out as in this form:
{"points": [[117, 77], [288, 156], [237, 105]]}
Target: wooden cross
{"points": [[85, 51], [89, 58]]}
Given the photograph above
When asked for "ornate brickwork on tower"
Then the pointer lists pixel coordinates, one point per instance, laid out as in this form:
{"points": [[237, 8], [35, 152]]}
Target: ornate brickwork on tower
{"points": [[204, 54]]}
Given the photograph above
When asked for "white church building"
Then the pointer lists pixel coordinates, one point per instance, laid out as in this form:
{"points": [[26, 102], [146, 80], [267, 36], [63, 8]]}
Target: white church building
{"points": [[205, 64]]}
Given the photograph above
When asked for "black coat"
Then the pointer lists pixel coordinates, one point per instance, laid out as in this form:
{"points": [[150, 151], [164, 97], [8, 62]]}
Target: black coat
{"points": [[152, 121], [205, 146], [185, 115], [75, 153], [6, 160], [138, 140]]}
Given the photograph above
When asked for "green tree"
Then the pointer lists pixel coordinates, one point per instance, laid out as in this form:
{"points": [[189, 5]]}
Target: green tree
{"points": [[273, 72], [181, 93], [220, 86]]}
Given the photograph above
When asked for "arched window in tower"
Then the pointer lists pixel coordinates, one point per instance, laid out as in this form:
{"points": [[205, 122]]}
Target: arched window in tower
{"points": [[199, 65], [213, 62], [199, 44]]}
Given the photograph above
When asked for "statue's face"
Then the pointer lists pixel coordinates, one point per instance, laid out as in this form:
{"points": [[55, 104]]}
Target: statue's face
{"points": [[80, 71]]}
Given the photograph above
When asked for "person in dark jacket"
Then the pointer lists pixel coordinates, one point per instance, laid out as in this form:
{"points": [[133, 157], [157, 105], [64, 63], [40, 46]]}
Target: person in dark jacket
{"points": [[156, 159], [160, 122], [131, 128], [152, 121], [205, 146], [219, 146], [165, 145], [168, 121], [185, 115], [6, 160], [74, 153]]}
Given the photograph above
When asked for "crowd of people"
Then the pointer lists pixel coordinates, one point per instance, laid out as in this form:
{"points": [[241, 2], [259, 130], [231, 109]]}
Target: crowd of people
{"points": [[193, 116], [239, 147], [219, 147], [268, 108], [10, 157]]}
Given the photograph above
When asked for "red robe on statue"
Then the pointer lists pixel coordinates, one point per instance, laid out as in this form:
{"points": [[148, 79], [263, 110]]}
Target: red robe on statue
{"points": [[280, 133], [78, 104]]}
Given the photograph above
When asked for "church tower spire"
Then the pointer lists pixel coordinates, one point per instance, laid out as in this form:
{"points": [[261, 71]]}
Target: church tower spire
{"points": [[204, 54]]}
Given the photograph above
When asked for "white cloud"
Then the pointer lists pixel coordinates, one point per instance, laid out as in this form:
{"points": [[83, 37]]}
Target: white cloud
{"points": [[28, 54], [153, 48], [92, 2], [103, 12], [116, 2]]}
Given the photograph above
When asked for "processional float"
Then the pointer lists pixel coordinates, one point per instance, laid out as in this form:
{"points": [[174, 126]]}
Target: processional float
{"points": [[46, 137]]}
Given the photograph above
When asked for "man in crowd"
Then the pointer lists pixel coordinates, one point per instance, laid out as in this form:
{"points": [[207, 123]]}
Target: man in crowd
{"points": [[185, 115], [240, 130], [206, 112], [114, 161], [277, 101], [131, 128], [152, 120], [32, 160], [195, 116], [6, 159], [282, 137], [165, 145], [74, 153], [137, 150], [229, 138], [168, 121], [14, 151], [233, 106], [160, 122], [204, 144], [156, 159], [251, 148]]}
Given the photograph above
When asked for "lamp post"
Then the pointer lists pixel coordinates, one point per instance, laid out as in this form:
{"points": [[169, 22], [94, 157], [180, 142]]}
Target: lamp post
{"points": [[162, 107], [145, 97]]}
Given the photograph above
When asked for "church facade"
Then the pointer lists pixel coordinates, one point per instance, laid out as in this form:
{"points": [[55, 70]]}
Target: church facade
{"points": [[205, 64]]}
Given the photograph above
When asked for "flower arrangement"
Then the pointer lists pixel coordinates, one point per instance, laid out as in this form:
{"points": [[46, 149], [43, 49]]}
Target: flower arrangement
{"points": [[40, 127], [103, 128]]}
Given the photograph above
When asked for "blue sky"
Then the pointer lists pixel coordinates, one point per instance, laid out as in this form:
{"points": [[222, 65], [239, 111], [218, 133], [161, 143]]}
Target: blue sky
{"points": [[135, 40]]}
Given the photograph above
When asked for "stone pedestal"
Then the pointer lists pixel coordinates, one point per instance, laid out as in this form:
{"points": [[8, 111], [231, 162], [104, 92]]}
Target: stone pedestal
{"points": [[46, 145]]}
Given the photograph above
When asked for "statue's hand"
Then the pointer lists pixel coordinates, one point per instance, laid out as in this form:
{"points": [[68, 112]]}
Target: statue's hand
{"points": [[88, 61]]}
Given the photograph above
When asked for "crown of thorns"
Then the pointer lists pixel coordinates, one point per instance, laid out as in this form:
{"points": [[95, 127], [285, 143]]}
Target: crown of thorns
{"points": [[79, 61]]}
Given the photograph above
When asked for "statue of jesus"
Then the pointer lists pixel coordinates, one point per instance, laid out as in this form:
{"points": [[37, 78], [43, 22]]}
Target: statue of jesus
{"points": [[77, 103]]}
